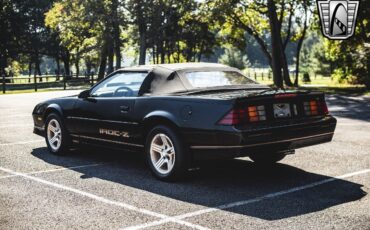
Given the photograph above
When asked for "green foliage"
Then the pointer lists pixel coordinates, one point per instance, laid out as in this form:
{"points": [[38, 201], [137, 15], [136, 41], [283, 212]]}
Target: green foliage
{"points": [[342, 76], [14, 69], [234, 57], [96, 32]]}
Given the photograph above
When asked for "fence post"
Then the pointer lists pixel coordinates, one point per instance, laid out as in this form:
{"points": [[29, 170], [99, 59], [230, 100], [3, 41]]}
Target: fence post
{"points": [[64, 82], [4, 84], [35, 82]]}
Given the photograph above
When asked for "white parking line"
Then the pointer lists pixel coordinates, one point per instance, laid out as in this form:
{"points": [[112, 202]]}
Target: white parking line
{"points": [[16, 115], [105, 200], [245, 202], [21, 142], [15, 126], [54, 170]]}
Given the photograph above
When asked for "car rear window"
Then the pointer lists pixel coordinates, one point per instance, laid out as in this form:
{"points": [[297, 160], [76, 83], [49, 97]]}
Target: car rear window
{"points": [[200, 79]]}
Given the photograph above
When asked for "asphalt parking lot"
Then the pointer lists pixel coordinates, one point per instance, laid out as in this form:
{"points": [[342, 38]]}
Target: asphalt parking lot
{"points": [[320, 187]]}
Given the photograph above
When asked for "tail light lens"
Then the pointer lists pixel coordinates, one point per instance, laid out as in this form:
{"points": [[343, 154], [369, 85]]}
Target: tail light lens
{"points": [[315, 107], [234, 117], [256, 113], [324, 107], [244, 115]]}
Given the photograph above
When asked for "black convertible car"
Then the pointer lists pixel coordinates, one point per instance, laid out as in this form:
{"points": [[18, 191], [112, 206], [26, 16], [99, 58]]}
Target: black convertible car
{"points": [[181, 113]]}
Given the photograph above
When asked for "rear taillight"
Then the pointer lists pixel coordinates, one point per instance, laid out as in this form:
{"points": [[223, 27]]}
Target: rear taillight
{"points": [[256, 113], [235, 116], [310, 108], [314, 107], [323, 107], [244, 115]]}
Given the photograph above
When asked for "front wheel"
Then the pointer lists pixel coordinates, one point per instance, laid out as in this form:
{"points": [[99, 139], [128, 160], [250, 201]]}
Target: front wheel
{"points": [[56, 136], [166, 154], [267, 158]]}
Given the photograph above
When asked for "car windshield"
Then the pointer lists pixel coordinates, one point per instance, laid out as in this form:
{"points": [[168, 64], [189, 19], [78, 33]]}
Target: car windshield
{"points": [[202, 79]]}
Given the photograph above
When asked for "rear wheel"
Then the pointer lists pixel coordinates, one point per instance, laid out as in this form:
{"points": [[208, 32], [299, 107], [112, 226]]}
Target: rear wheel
{"points": [[56, 136], [267, 158], [166, 155]]}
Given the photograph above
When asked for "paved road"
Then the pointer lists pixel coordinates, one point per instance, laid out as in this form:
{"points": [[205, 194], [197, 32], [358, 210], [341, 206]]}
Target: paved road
{"points": [[320, 187]]}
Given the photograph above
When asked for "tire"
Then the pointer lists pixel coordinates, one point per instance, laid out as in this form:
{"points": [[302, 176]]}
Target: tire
{"points": [[54, 128], [166, 154], [267, 158]]}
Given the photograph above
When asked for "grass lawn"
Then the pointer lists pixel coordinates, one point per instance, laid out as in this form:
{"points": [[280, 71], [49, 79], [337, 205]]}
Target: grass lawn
{"points": [[24, 79], [33, 91], [318, 83]]}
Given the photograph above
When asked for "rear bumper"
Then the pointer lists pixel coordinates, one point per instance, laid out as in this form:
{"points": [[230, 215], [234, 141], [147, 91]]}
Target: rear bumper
{"points": [[278, 138]]}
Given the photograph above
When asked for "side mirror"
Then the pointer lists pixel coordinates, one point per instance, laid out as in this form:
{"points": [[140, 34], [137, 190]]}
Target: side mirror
{"points": [[84, 94]]}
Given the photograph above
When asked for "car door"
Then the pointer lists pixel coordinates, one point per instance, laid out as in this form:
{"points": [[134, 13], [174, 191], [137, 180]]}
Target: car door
{"points": [[108, 113]]}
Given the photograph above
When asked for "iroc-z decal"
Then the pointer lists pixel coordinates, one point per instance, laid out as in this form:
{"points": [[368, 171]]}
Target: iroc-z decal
{"points": [[115, 133], [338, 18]]}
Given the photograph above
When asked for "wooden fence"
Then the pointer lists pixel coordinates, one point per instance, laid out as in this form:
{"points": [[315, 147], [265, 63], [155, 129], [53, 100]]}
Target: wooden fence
{"points": [[47, 81]]}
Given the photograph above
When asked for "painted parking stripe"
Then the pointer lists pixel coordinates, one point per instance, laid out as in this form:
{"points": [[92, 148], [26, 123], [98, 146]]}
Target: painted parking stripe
{"points": [[54, 170], [15, 126], [105, 200], [16, 115], [246, 202], [21, 142]]}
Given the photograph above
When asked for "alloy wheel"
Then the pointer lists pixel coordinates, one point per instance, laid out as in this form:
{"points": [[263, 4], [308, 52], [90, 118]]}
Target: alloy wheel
{"points": [[54, 135], [162, 153]]}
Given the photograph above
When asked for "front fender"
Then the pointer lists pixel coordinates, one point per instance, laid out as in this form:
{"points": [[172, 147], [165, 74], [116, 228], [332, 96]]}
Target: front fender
{"points": [[53, 108]]}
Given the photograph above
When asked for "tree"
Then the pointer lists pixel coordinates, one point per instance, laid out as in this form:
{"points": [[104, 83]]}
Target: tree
{"points": [[174, 31], [84, 26], [269, 22], [23, 32], [235, 58]]}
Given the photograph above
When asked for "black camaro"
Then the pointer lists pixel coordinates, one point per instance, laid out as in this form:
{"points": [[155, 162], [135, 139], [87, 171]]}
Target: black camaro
{"points": [[181, 113]]}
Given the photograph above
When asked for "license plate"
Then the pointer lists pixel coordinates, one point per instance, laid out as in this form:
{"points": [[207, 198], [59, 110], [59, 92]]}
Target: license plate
{"points": [[282, 110]]}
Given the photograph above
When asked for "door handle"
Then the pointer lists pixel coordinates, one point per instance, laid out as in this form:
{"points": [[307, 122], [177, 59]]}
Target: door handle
{"points": [[124, 108]]}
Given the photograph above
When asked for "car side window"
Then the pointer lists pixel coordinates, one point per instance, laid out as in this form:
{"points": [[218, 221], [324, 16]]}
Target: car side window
{"points": [[121, 84]]}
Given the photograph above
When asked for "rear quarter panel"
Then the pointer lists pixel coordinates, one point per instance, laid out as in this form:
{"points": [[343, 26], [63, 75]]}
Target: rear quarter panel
{"points": [[196, 118]]}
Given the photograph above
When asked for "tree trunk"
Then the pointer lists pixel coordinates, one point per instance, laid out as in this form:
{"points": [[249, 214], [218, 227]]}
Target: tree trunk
{"points": [[88, 66], [118, 56], [58, 67], [116, 34], [299, 47], [163, 53], [142, 52], [66, 58], [3, 65], [142, 25], [77, 66], [276, 44], [286, 76], [200, 52], [103, 62], [37, 66], [29, 70], [110, 58]]}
